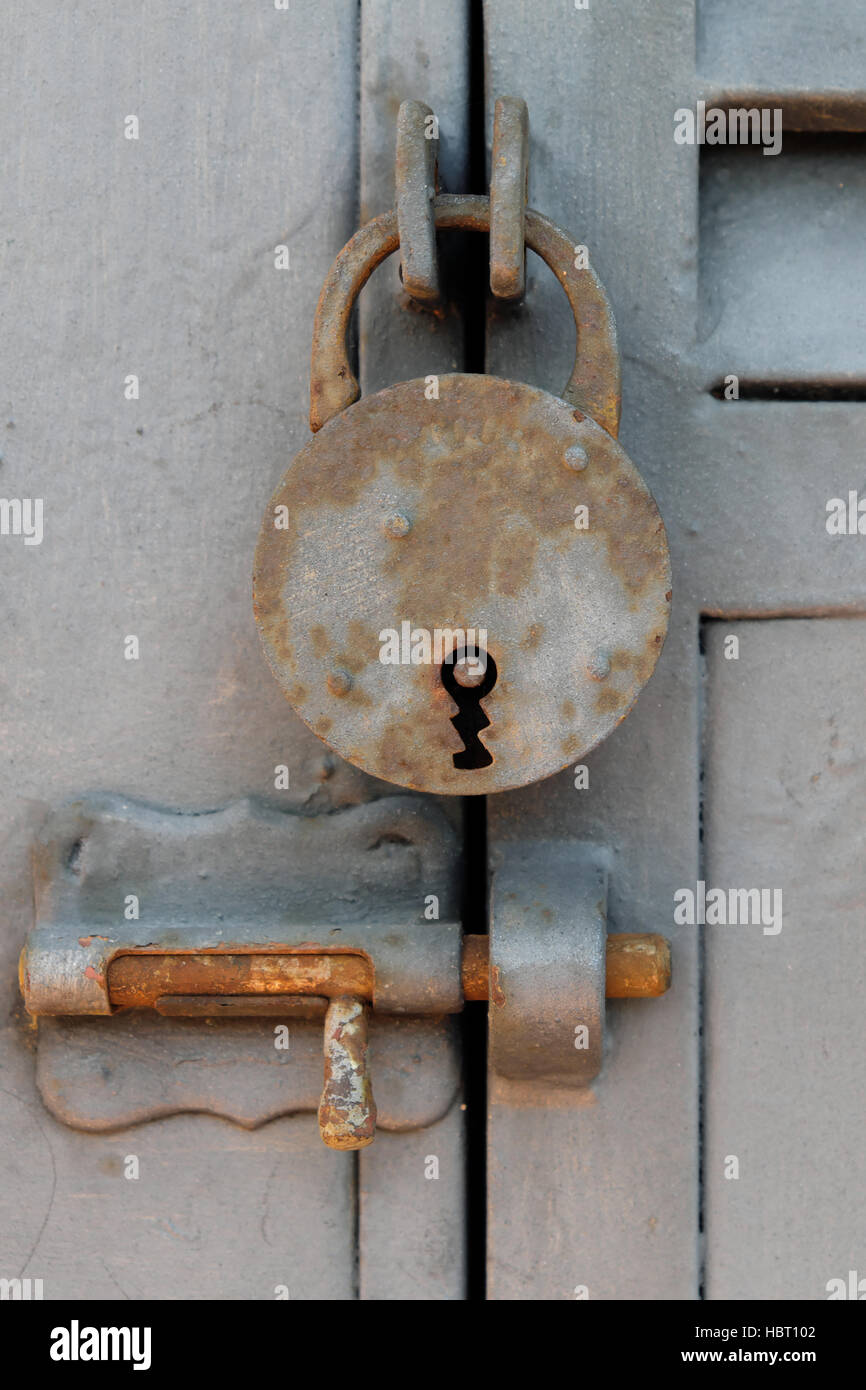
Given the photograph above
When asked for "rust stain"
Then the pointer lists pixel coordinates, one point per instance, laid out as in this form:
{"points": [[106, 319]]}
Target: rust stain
{"points": [[497, 995], [479, 473], [139, 981], [347, 1111], [532, 637], [638, 966], [608, 701]]}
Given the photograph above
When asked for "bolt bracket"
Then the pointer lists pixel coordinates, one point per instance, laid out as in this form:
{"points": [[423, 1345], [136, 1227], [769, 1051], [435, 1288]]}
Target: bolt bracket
{"points": [[156, 930]]}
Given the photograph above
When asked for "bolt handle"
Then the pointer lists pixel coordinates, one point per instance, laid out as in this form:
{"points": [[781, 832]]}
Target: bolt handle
{"points": [[347, 1111]]}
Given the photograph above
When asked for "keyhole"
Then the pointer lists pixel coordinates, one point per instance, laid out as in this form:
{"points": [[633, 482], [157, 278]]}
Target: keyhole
{"points": [[469, 674]]}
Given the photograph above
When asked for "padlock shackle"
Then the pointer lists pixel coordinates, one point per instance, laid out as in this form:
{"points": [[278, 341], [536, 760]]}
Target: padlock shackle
{"points": [[594, 384]]}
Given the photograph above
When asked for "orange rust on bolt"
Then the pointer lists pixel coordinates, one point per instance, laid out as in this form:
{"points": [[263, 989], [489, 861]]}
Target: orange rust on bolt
{"points": [[347, 1111], [476, 966], [638, 966], [138, 981]]}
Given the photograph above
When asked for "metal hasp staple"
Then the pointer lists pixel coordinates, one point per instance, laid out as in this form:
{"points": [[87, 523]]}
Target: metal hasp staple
{"points": [[242, 918], [416, 170], [416, 179], [509, 194]]}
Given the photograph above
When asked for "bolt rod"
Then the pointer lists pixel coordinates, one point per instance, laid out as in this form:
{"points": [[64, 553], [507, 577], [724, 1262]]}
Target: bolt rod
{"points": [[638, 967]]}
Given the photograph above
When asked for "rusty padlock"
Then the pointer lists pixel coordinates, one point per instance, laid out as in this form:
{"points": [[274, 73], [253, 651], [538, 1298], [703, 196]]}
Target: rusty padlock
{"points": [[463, 588]]}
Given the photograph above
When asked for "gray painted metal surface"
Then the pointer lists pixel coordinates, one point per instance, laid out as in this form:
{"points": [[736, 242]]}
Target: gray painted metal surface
{"points": [[784, 1070], [412, 1227], [547, 965], [798, 311], [101, 1076], [156, 257], [245, 878], [608, 1192], [215, 1213], [609, 1189], [785, 46]]}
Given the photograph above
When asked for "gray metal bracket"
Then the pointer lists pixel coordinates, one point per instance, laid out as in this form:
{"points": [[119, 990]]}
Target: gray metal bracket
{"points": [[548, 932], [252, 878], [192, 940]]}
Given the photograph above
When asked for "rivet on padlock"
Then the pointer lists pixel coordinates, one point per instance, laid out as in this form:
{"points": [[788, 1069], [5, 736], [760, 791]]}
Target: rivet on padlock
{"points": [[493, 524]]}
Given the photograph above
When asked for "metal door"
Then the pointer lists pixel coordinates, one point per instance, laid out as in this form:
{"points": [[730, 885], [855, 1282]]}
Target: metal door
{"points": [[179, 180]]}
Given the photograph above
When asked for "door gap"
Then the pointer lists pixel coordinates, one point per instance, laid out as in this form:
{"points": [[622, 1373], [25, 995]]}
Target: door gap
{"points": [[475, 873], [793, 391], [474, 1021], [701, 965]]}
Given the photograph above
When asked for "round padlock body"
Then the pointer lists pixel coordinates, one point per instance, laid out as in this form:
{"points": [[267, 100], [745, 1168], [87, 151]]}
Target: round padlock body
{"points": [[491, 523]]}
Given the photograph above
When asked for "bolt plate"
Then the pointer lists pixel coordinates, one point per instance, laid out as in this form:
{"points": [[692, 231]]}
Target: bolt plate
{"points": [[252, 876], [575, 618]]}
